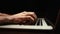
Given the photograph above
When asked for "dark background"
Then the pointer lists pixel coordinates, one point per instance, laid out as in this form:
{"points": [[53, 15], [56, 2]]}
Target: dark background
{"points": [[48, 9]]}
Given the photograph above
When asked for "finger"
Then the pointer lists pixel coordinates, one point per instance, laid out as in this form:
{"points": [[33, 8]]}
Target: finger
{"points": [[24, 20], [30, 18], [30, 14], [33, 14]]}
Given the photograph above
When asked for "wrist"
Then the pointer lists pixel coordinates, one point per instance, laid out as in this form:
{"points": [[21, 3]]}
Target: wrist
{"points": [[9, 19]]}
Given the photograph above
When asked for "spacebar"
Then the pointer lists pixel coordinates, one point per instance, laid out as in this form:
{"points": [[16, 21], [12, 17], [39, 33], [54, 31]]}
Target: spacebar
{"points": [[27, 27]]}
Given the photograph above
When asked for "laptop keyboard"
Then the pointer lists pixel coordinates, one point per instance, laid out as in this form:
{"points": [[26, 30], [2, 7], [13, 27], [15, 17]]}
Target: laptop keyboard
{"points": [[41, 24]]}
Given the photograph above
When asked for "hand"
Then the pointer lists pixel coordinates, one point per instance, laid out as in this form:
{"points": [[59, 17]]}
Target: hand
{"points": [[23, 17]]}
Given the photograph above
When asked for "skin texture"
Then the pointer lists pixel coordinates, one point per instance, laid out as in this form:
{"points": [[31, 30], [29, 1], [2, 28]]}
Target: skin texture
{"points": [[19, 18]]}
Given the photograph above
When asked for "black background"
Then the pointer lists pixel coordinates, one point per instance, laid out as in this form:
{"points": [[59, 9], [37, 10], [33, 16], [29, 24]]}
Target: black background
{"points": [[40, 7]]}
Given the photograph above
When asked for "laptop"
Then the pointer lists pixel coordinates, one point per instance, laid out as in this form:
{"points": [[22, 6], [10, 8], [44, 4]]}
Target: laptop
{"points": [[41, 24]]}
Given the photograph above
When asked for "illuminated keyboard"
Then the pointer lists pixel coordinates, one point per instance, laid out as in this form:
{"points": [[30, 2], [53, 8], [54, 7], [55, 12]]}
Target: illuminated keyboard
{"points": [[41, 24]]}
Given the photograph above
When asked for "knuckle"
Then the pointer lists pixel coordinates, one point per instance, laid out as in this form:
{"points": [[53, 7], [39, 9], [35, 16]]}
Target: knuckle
{"points": [[33, 13]]}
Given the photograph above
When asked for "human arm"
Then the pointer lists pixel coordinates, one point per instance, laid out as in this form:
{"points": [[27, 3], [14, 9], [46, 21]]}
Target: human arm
{"points": [[19, 18]]}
